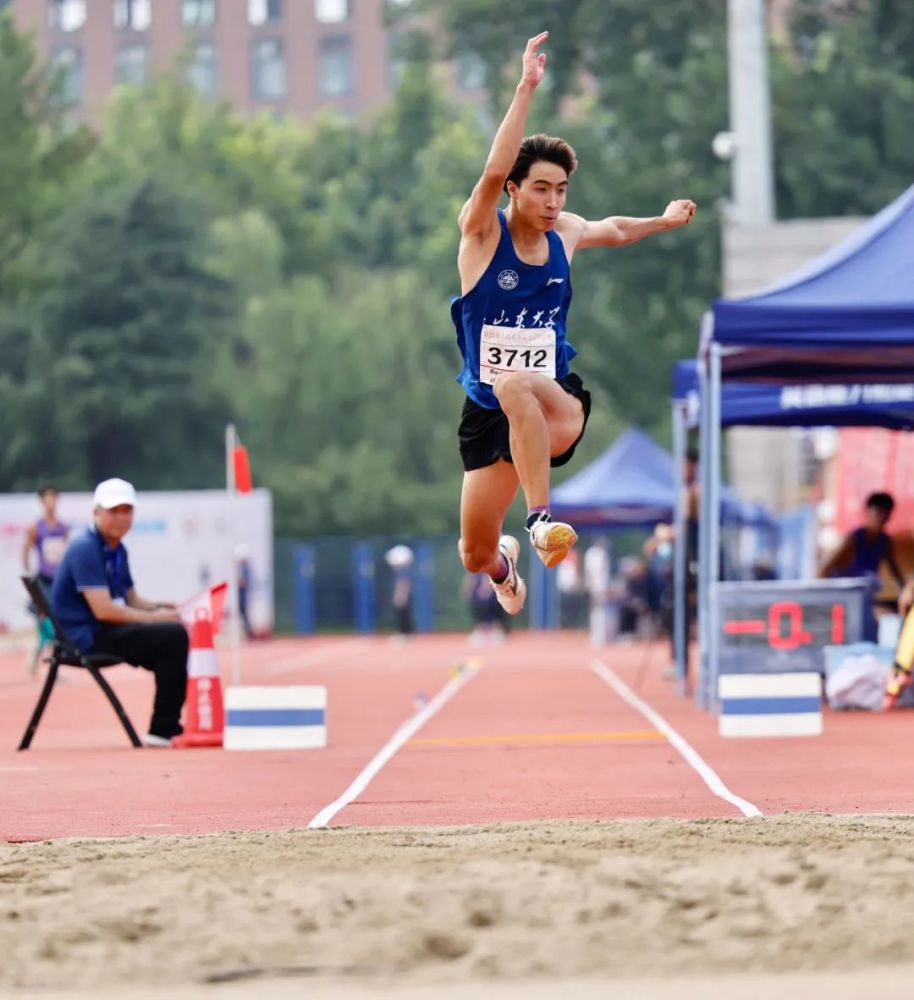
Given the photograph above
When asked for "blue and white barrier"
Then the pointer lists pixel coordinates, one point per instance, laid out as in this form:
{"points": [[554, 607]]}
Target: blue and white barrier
{"points": [[770, 704], [275, 718]]}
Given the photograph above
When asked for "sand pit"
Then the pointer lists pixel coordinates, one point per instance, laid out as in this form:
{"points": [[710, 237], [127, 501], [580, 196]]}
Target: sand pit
{"points": [[466, 912]]}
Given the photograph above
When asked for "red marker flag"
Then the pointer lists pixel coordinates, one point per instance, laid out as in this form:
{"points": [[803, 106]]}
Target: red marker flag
{"points": [[242, 469], [209, 602]]}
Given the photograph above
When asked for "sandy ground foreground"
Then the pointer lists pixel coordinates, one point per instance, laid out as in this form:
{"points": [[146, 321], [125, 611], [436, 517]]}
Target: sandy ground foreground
{"points": [[649, 909]]}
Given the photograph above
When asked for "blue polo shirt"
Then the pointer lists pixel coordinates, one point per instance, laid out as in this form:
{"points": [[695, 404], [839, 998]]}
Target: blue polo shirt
{"points": [[88, 562]]}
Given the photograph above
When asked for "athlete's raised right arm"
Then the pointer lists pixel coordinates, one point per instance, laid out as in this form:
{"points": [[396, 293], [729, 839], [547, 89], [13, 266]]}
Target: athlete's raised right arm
{"points": [[477, 217]]}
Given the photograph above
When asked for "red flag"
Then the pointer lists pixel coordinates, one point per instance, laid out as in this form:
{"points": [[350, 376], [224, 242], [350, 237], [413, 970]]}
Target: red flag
{"points": [[210, 601], [242, 469]]}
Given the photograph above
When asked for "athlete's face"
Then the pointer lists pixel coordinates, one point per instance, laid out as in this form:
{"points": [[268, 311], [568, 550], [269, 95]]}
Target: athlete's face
{"points": [[49, 503], [876, 518], [540, 196]]}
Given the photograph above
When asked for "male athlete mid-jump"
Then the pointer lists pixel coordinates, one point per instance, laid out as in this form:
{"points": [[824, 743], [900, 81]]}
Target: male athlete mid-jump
{"points": [[524, 410]]}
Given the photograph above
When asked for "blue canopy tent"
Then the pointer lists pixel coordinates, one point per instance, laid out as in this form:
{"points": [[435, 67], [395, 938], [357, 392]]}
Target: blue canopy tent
{"points": [[766, 404], [850, 312], [848, 316]]}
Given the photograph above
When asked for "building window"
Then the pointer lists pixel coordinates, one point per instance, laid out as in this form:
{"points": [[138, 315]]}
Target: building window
{"points": [[471, 71], [202, 71], [130, 65], [331, 11], [337, 76], [198, 13], [133, 15], [264, 11], [66, 15], [269, 71], [69, 61]]}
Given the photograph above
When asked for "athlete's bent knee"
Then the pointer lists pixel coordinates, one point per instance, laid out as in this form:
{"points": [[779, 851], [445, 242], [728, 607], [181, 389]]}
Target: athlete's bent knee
{"points": [[514, 388], [476, 558]]}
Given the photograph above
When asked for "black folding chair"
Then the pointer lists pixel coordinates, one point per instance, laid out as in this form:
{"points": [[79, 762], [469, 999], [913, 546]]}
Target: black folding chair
{"points": [[64, 653]]}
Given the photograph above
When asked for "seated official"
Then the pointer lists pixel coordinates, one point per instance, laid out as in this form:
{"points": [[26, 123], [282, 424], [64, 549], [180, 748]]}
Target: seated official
{"points": [[95, 601], [864, 550]]}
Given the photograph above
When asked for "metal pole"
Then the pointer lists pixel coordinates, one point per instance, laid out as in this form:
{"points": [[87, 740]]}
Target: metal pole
{"points": [[231, 442], [704, 469], [750, 112], [680, 611], [714, 424]]}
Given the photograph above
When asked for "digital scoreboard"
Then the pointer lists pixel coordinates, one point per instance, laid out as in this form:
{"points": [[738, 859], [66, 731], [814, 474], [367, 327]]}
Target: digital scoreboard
{"points": [[782, 625]]}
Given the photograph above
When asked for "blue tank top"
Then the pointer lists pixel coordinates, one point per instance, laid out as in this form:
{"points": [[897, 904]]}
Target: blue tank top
{"points": [[51, 544], [867, 555], [512, 312]]}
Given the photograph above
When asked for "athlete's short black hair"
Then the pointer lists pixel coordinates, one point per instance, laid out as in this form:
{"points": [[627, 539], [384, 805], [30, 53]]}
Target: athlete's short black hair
{"points": [[47, 488], [881, 501], [542, 147]]}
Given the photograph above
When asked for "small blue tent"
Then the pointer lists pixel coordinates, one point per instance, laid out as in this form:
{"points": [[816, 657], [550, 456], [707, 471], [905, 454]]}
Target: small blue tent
{"points": [[633, 485]]}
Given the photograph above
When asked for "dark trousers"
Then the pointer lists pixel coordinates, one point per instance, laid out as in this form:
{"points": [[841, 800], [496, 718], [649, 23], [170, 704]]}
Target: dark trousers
{"points": [[404, 619], [162, 648]]}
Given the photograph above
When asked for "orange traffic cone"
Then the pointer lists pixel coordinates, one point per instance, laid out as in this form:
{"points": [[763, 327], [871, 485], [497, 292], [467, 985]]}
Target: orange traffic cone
{"points": [[204, 717]]}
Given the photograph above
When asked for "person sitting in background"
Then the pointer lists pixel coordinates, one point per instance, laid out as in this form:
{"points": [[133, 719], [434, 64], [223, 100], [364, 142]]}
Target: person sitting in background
{"points": [[866, 548], [95, 601]]}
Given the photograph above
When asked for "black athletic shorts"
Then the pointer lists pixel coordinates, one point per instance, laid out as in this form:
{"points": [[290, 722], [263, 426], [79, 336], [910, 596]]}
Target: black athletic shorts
{"points": [[483, 433]]}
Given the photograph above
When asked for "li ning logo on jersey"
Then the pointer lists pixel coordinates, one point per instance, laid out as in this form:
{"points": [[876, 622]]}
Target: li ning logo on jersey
{"points": [[507, 280]]}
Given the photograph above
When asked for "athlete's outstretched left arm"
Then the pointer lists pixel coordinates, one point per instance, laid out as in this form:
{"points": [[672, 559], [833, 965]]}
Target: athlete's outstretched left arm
{"points": [[619, 230]]}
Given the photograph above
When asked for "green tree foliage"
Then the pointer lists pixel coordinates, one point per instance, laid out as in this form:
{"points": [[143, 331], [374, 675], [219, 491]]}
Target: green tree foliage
{"points": [[188, 266], [36, 152], [123, 332], [843, 100]]}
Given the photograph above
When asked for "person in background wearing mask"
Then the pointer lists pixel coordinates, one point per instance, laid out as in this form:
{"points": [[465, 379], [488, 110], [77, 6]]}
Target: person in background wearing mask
{"points": [[658, 550]]}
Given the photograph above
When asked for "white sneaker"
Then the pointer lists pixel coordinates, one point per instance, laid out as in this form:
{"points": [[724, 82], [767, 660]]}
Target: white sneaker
{"points": [[512, 591], [151, 740], [552, 540]]}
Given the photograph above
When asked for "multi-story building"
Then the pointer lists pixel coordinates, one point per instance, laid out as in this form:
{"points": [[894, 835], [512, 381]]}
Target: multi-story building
{"points": [[286, 56]]}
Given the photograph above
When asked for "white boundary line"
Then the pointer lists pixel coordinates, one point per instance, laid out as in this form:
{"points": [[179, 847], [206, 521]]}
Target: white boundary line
{"points": [[707, 774], [404, 732]]}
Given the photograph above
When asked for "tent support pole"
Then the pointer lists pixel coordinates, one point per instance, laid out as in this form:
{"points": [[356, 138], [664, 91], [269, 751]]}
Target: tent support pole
{"points": [[714, 478], [704, 496], [680, 554]]}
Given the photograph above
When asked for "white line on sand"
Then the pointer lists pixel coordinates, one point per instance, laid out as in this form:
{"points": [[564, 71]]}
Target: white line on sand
{"points": [[404, 733], [692, 757]]}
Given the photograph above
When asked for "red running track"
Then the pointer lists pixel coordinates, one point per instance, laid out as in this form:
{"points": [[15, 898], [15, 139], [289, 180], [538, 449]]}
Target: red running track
{"points": [[532, 732]]}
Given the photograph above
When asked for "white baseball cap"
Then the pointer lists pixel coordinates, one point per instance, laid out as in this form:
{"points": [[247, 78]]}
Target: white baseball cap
{"points": [[113, 493]]}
